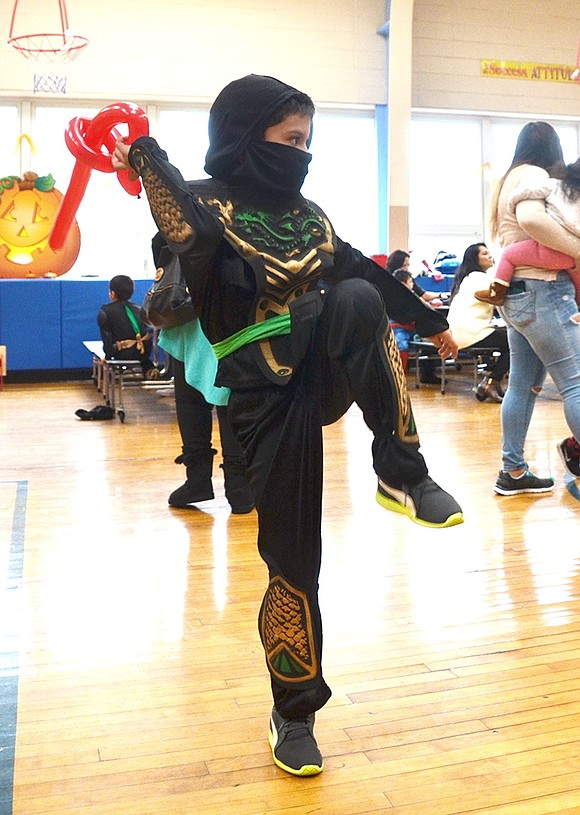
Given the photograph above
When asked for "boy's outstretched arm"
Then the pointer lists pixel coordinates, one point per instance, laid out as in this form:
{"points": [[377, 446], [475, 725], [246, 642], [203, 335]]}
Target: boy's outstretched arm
{"points": [[182, 222]]}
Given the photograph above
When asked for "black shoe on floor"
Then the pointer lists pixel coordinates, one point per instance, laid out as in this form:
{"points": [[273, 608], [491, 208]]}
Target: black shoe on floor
{"points": [[240, 500], [293, 745], [97, 413], [489, 389], [188, 494], [528, 482], [236, 485], [430, 379], [424, 503]]}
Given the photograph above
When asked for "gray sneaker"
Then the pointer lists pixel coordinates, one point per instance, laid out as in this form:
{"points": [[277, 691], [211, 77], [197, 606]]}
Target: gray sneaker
{"points": [[528, 482], [425, 503], [293, 745]]}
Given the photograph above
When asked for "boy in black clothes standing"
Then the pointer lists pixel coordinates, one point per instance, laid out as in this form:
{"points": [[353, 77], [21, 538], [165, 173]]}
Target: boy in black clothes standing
{"points": [[297, 320]]}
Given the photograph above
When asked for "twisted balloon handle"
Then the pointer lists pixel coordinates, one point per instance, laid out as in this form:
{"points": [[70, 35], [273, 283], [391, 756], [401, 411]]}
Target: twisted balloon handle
{"points": [[92, 143]]}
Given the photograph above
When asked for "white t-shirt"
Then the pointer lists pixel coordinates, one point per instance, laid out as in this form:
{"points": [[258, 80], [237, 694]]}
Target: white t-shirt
{"points": [[468, 318]]}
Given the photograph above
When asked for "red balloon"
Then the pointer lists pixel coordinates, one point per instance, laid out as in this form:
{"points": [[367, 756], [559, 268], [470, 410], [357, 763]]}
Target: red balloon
{"points": [[92, 142]]}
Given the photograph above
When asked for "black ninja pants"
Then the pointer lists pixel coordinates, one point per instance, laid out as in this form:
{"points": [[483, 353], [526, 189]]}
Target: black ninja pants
{"points": [[352, 358]]}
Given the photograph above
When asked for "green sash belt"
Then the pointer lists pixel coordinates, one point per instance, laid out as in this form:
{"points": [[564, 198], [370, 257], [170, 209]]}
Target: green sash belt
{"points": [[133, 320], [274, 327]]}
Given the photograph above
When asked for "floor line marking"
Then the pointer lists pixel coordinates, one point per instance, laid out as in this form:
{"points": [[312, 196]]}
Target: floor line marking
{"points": [[10, 648]]}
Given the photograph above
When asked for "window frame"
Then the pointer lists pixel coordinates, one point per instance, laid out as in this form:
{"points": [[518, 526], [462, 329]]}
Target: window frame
{"points": [[460, 234]]}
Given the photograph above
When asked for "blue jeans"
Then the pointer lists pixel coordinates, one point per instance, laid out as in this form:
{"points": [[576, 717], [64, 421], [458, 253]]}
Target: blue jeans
{"points": [[542, 338]]}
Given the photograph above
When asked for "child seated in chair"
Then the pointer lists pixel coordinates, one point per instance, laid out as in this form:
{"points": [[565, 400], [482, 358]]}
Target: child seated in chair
{"points": [[124, 334]]}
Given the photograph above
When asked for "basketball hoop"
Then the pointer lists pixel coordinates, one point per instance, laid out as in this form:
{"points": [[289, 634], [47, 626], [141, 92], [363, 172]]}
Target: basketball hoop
{"points": [[45, 47], [64, 47]]}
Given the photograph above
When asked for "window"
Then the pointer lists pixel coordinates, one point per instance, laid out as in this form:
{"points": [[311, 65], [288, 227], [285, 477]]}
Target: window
{"points": [[454, 164], [445, 186], [504, 136], [183, 134], [9, 141], [343, 175]]}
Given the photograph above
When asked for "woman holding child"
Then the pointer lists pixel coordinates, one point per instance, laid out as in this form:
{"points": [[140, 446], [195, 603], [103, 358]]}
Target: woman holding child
{"points": [[540, 311]]}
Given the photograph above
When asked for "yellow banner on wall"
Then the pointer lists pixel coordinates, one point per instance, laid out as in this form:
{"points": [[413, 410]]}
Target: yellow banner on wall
{"points": [[501, 69]]}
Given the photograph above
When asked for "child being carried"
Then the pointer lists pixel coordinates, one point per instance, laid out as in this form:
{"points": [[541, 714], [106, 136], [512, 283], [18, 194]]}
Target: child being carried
{"points": [[562, 199]]}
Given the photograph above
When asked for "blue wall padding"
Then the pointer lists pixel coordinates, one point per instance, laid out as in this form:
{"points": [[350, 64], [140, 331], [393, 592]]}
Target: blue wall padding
{"points": [[43, 323], [81, 301], [30, 327]]}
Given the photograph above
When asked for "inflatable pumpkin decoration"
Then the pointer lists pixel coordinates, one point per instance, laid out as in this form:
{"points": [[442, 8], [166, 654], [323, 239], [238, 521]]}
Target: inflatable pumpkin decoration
{"points": [[28, 208]]}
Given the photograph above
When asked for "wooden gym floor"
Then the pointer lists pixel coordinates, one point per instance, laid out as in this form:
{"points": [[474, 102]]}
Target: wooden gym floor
{"points": [[132, 680]]}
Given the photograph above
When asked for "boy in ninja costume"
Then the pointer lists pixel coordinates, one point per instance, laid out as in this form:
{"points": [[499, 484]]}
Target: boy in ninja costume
{"points": [[124, 334], [298, 322]]}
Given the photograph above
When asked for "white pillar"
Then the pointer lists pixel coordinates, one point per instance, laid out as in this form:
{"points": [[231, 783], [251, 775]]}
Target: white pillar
{"points": [[400, 64]]}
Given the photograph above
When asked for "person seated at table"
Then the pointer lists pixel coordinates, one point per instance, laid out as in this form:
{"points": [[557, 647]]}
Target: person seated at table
{"points": [[471, 320], [399, 260], [125, 336], [403, 333]]}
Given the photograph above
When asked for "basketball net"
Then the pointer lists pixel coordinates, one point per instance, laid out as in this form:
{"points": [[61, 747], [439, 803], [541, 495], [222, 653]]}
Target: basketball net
{"points": [[44, 47]]}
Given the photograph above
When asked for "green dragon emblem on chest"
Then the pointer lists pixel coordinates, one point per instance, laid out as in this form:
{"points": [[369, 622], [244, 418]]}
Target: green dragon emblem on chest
{"points": [[292, 234], [289, 234]]}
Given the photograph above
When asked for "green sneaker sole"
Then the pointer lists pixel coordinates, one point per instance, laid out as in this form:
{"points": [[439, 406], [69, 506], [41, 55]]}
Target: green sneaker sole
{"points": [[305, 770], [395, 506]]}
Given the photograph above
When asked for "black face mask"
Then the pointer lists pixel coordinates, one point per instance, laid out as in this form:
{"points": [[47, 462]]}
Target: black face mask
{"points": [[271, 167]]}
